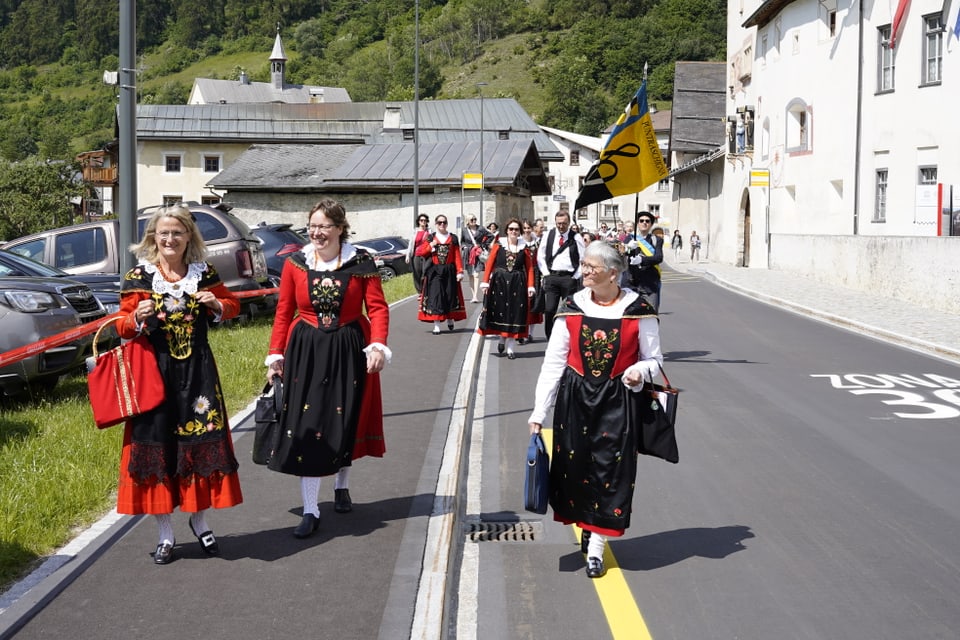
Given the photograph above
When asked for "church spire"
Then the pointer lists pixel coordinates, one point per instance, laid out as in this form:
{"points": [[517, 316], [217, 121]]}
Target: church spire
{"points": [[278, 60]]}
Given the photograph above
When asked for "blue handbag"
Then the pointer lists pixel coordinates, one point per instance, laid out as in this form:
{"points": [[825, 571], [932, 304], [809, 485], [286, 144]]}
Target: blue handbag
{"points": [[535, 486]]}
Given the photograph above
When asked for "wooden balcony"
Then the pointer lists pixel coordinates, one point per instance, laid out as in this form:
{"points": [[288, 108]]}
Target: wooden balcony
{"points": [[100, 176]]}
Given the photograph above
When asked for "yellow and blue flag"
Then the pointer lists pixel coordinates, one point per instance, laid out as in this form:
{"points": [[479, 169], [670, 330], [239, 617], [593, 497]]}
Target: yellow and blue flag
{"points": [[630, 161]]}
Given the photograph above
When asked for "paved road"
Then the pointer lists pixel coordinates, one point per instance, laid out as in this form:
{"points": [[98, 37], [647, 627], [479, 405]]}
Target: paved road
{"points": [[383, 570]]}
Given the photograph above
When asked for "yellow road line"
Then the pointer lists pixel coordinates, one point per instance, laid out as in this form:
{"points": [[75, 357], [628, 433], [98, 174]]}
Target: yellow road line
{"points": [[619, 606]]}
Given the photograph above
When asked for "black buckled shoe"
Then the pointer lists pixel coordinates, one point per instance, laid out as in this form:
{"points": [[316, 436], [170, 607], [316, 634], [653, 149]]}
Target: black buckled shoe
{"points": [[206, 539], [595, 568], [341, 501], [307, 526], [500, 348], [164, 553], [449, 325]]}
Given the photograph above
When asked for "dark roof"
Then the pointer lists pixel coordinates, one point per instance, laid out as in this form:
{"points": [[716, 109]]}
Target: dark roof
{"points": [[383, 167], [699, 103], [348, 122], [766, 12]]}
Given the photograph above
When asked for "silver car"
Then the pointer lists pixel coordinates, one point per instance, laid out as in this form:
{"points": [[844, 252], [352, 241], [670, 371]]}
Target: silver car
{"points": [[32, 309]]}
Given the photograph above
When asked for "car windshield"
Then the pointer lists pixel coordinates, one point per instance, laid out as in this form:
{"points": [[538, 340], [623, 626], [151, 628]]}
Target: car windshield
{"points": [[11, 261]]}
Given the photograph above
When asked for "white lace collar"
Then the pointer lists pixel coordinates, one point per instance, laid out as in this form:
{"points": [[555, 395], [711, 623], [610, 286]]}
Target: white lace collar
{"points": [[187, 284], [521, 243], [347, 252]]}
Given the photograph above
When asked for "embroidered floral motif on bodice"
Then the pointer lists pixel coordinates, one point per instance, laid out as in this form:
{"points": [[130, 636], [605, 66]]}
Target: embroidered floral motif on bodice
{"points": [[326, 295], [443, 252], [599, 346], [175, 306]]}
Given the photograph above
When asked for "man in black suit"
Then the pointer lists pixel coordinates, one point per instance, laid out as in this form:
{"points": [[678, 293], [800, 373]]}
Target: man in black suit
{"points": [[559, 261], [645, 258]]}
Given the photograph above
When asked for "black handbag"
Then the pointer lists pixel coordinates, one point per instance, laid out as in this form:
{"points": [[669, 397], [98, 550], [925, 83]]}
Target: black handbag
{"points": [[266, 415], [658, 418], [536, 481], [536, 302]]}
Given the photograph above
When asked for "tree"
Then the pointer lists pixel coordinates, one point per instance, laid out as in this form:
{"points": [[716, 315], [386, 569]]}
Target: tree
{"points": [[36, 195]]}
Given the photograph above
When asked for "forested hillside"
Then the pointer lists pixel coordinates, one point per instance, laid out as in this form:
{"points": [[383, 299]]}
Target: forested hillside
{"points": [[572, 64]]}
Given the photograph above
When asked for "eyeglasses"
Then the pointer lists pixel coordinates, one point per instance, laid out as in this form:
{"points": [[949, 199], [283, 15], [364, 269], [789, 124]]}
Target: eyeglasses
{"points": [[589, 269], [441, 222], [320, 227], [644, 221], [513, 228], [176, 235]]}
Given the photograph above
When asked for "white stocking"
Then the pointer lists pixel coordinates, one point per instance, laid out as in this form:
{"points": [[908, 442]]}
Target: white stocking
{"points": [[310, 492], [595, 546], [199, 521], [165, 524], [341, 480]]}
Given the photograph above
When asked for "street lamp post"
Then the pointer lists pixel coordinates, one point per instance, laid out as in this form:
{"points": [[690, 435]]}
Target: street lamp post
{"points": [[483, 177]]}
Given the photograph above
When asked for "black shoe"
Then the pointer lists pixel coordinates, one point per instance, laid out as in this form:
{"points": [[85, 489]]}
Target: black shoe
{"points": [[450, 325], [341, 501], [307, 526], [584, 541], [521, 341], [500, 348], [595, 568], [208, 543], [163, 554]]}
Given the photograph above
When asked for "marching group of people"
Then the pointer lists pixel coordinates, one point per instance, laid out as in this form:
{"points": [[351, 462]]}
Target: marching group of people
{"points": [[597, 298]]}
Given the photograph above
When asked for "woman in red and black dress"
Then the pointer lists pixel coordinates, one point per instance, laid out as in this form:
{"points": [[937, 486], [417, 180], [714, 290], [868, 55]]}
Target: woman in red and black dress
{"points": [[181, 453], [605, 342], [441, 298], [507, 285], [329, 355]]}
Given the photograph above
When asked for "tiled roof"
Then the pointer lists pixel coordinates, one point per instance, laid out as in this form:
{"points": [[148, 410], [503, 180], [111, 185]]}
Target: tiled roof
{"points": [[698, 123]]}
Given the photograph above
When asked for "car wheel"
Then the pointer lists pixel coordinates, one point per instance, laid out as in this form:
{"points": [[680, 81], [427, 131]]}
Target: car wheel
{"points": [[386, 273]]}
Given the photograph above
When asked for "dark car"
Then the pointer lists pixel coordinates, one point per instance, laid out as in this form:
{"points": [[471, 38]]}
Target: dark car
{"points": [[105, 287], [278, 241], [390, 253], [34, 308]]}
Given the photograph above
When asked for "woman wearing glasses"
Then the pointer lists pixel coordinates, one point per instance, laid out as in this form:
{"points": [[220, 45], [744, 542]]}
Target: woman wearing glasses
{"points": [[474, 239], [329, 355], [181, 453], [605, 341], [441, 298], [507, 286]]}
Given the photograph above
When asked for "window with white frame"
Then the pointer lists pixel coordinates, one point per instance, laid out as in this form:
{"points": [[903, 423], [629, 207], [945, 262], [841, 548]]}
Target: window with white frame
{"points": [[211, 201], [169, 201], [172, 163], [880, 206], [574, 158], [798, 127], [654, 209], [932, 49], [211, 163], [664, 185], [765, 139], [884, 60], [927, 175], [611, 211]]}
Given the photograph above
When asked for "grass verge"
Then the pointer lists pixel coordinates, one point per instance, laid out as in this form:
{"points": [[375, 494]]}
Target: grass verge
{"points": [[58, 473]]}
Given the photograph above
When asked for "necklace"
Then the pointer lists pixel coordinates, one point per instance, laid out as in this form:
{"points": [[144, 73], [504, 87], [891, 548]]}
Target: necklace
{"points": [[593, 297], [169, 277]]}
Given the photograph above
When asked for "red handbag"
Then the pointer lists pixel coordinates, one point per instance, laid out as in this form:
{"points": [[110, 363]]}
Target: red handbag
{"points": [[125, 381]]}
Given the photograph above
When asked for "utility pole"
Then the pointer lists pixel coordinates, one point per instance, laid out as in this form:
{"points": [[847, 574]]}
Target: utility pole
{"points": [[483, 177]]}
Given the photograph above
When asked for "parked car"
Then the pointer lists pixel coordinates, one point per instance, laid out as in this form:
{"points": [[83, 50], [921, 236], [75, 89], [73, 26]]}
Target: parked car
{"points": [[93, 247], [278, 241], [105, 287], [34, 308], [390, 253]]}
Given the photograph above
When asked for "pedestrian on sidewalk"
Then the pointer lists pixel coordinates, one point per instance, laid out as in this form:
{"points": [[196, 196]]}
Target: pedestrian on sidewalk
{"points": [[694, 247], [676, 243], [441, 298], [532, 235], [415, 261], [605, 342], [507, 288], [329, 355], [559, 261], [181, 453]]}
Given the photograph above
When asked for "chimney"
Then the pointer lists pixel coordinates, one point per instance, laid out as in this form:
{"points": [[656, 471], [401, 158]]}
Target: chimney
{"points": [[244, 78]]}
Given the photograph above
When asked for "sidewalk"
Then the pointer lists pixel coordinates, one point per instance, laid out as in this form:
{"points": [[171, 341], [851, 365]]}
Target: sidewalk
{"points": [[886, 318]]}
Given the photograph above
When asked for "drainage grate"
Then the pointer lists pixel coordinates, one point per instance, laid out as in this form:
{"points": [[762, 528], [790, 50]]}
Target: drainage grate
{"points": [[503, 531]]}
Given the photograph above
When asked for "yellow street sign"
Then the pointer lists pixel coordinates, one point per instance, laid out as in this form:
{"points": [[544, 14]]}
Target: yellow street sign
{"points": [[760, 177], [473, 181]]}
